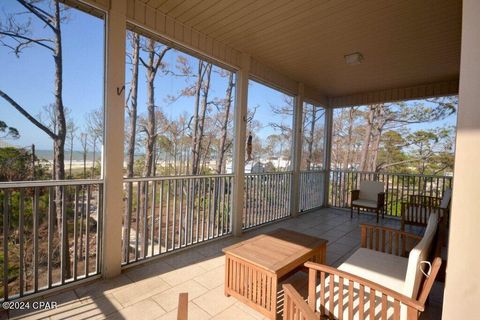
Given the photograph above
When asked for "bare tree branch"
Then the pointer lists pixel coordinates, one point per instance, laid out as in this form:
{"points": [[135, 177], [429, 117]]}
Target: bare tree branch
{"points": [[27, 115], [28, 41], [41, 14]]}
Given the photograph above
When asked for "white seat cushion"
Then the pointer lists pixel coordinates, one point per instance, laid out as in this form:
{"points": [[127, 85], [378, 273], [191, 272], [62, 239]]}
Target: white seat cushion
{"points": [[382, 268], [356, 301], [365, 203], [385, 269]]}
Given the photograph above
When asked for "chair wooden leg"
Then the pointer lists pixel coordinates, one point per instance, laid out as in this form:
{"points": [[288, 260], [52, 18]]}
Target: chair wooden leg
{"points": [[377, 215], [358, 210], [351, 212]]}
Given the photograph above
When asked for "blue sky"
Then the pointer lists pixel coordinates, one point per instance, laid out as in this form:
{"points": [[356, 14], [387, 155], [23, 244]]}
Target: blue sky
{"points": [[29, 80]]}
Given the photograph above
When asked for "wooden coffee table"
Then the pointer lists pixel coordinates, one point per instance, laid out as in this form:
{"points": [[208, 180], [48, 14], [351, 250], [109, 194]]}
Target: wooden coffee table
{"points": [[254, 266]]}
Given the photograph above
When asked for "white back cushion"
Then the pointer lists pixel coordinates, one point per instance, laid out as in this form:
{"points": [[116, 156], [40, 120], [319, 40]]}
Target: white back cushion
{"points": [[369, 190], [447, 195], [417, 255]]}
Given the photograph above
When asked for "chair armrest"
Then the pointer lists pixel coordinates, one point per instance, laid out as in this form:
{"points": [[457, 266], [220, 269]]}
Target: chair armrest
{"points": [[389, 240], [182, 312], [366, 288], [381, 200], [294, 305], [355, 194]]}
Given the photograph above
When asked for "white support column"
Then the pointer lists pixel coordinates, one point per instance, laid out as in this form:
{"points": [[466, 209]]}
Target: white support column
{"points": [[462, 287], [297, 151], [114, 138], [240, 118], [327, 154]]}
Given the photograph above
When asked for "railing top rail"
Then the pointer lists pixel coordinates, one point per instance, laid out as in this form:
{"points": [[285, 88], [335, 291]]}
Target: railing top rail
{"points": [[313, 171], [48, 183], [268, 173], [393, 174], [163, 178]]}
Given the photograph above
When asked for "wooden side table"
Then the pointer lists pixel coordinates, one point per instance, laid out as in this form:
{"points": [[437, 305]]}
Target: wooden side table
{"points": [[253, 267]]}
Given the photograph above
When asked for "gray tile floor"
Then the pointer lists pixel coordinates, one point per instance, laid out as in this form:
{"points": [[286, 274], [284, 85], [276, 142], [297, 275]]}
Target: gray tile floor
{"points": [[150, 291]]}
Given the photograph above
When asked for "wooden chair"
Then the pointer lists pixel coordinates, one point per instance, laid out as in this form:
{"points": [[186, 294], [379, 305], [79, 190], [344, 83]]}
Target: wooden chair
{"points": [[354, 291], [418, 209], [182, 313], [353, 303], [370, 196]]}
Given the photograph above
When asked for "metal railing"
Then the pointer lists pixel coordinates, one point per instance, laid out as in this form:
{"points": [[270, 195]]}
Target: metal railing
{"points": [[51, 234], [311, 190], [163, 214], [267, 197], [398, 187]]}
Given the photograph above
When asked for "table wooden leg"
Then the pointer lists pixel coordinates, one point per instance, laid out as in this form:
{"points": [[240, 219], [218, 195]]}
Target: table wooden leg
{"points": [[273, 314]]}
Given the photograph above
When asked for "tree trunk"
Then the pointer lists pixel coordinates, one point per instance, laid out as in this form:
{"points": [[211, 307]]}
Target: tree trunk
{"points": [[223, 139], [132, 137], [85, 162], [150, 127], [311, 136], [59, 142], [198, 87], [59, 134], [133, 106], [71, 157], [375, 149], [94, 154], [366, 140], [201, 122], [348, 144]]}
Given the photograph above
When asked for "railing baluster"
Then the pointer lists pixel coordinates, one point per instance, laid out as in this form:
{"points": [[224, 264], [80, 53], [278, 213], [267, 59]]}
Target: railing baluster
{"points": [[191, 208], [63, 252], [230, 183], [137, 221], [99, 227], [216, 212], [257, 200], [210, 208], [145, 219], [75, 233], [152, 222], [198, 187], [167, 216], [6, 227], [128, 222], [50, 220], [174, 214], [160, 217], [221, 195], [35, 235], [21, 235], [204, 207], [87, 233]]}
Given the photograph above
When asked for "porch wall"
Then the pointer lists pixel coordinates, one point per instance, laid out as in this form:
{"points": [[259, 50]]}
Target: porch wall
{"points": [[462, 288], [463, 285]]}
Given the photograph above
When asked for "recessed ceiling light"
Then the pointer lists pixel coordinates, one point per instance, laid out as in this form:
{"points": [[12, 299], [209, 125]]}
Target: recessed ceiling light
{"points": [[353, 58]]}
